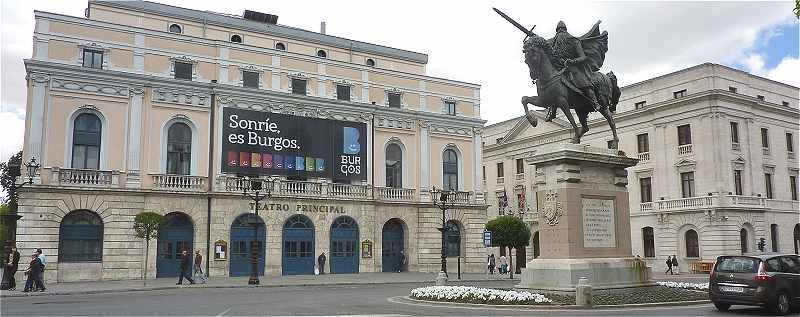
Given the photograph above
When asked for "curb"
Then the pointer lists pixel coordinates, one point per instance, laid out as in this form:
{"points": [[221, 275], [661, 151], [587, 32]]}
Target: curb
{"points": [[6, 294], [562, 307]]}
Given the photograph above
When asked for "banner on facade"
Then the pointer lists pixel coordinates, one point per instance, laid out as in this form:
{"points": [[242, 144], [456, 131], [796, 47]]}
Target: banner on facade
{"points": [[262, 143]]}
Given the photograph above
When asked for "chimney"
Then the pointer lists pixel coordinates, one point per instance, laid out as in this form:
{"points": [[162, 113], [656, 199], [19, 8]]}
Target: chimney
{"points": [[322, 27]]}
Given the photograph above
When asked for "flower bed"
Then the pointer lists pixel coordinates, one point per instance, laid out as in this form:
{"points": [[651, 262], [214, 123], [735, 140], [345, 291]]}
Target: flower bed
{"points": [[684, 285], [475, 295]]}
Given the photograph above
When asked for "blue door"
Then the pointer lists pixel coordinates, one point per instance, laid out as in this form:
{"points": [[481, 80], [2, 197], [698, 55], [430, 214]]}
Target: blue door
{"points": [[173, 238], [344, 245], [392, 245], [298, 246], [242, 244]]}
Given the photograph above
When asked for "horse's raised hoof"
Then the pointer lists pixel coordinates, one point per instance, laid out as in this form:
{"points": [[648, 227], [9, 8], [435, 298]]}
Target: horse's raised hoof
{"points": [[524, 100]]}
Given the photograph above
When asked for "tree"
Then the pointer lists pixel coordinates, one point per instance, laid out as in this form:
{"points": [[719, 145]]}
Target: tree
{"points": [[3, 211], [797, 8], [9, 171], [147, 226], [509, 231]]}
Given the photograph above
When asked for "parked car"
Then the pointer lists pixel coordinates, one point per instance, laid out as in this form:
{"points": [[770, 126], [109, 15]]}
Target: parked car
{"points": [[772, 281]]}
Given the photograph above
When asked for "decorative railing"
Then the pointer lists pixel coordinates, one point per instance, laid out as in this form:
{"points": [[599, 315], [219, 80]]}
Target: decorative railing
{"points": [[300, 188], [81, 177], [501, 180], [394, 194], [765, 150], [348, 191], [643, 157], [519, 177], [735, 146], [719, 201], [460, 197], [179, 182], [684, 149]]}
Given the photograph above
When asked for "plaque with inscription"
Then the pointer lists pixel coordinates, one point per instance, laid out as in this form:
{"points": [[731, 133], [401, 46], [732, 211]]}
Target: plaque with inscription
{"points": [[599, 223]]}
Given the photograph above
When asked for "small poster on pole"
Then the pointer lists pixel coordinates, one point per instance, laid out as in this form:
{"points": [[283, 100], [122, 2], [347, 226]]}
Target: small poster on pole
{"points": [[487, 238]]}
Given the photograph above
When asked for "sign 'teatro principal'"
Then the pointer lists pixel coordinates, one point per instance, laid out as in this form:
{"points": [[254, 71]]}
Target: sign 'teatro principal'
{"points": [[261, 143]]}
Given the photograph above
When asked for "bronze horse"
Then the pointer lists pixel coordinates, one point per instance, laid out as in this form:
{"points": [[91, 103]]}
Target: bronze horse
{"points": [[554, 90]]}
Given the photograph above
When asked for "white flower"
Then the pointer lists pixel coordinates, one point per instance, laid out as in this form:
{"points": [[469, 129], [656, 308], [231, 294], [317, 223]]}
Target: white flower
{"points": [[684, 285], [472, 294]]}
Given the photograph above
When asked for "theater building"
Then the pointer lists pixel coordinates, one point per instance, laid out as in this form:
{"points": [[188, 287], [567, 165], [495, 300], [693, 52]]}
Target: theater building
{"points": [[140, 106], [717, 171]]}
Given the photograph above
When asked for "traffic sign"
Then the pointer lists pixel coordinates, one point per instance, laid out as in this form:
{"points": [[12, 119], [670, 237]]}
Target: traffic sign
{"points": [[487, 238]]}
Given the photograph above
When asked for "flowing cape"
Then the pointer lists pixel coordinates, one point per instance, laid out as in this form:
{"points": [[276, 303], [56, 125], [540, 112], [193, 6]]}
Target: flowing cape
{"points": [[595, 46]]}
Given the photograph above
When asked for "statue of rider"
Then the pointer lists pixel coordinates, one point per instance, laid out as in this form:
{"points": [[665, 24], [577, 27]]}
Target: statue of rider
{"points": [[570, 51]]}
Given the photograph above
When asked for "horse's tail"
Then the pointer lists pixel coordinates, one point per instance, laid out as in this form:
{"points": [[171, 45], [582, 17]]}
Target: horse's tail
{"points": [[615, 92]]}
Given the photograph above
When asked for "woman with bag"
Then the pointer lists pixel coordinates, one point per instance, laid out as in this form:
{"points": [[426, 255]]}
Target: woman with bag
{"points": [[491, 264], [198, 267]]}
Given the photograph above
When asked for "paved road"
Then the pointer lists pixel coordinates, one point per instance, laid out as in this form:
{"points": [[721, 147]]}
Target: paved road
{"points": [[294, 301]]}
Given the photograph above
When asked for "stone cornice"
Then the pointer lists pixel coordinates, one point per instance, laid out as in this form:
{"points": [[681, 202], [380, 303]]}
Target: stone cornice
{"points": [[580, 153], [95, 88]]}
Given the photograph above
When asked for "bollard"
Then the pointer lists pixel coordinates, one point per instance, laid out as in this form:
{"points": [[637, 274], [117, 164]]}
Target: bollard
{"points": [[441, 279], [583, 293], [459, 268]]}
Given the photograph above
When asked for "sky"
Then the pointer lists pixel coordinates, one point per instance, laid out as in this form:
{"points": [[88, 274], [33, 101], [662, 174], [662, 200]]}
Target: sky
{"points": [[467, 41]]}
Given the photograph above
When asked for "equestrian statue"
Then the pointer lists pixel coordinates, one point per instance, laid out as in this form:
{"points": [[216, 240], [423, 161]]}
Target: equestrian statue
{"points": [[566, 72]]}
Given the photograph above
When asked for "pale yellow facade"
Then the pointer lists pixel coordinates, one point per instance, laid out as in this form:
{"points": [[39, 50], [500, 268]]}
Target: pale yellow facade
{"points": [[137, 98]]}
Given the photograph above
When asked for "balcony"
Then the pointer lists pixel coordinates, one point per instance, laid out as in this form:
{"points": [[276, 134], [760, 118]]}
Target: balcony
{"points": [[765, 150], [394, 194], [685, 149], [84, 178], [643, 157], [519, 178], [501, 180], [735, 147], [719, 201], [349, 191], [299, 188], [179, 183]]}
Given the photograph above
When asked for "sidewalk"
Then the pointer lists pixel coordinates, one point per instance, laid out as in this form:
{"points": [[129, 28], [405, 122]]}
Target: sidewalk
{"points": [[70, 288], [683, 277]]}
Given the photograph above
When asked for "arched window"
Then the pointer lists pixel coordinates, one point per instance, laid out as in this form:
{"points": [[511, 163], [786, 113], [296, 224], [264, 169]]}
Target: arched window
{"points": [[280, 46], [322, 54], [452, 239], [81, 237], [394, 166], [174, 28], [773, 231], [370, 62], [179, 149], [743, 241], [450, 170], [298, 222], [236, 38], [692, 246], [86, 133], [648, 242]]}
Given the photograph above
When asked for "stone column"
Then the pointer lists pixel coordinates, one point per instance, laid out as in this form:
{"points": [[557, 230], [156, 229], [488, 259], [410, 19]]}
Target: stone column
{"points": [[133, 179], [477, 180], [36, 128], [425, 161], [584, 220]]}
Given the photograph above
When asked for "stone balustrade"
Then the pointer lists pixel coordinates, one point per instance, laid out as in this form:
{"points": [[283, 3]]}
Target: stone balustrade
{"points": [[178, 182], [719, 201], [685, 149], [84, 177], [394, 194], [643, 157]]}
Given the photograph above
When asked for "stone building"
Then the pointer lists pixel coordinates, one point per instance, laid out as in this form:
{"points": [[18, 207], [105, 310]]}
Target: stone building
{"points": [[717, 171], [140, 106]]}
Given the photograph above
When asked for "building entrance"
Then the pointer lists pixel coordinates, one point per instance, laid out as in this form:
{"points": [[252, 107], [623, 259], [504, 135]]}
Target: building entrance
{"points": [[242, 244], [298, 246], [392, 245], [344, 245], [174, 237]]}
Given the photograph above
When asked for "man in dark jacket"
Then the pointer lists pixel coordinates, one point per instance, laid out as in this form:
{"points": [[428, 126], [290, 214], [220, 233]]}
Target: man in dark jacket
{"points": [[321, 262], [185, 272], [11, 268]]}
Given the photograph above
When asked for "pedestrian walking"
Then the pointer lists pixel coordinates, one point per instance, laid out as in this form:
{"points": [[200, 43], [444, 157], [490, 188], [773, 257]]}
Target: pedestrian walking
{"points": [[669, 266], [185, 268], [198, 267], [675, 264], [503, 265], [42, 259], [402, 262], [34, 281], [11, 268], [492, 263], [321, 262]]}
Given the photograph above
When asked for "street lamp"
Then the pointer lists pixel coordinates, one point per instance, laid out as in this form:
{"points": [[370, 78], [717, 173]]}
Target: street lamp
{"points": [[10, 218], [440, 199], [521, 213], [252, 188]]}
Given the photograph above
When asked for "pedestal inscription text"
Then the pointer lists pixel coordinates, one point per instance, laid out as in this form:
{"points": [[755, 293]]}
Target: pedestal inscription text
{"points": [[599, 225]]}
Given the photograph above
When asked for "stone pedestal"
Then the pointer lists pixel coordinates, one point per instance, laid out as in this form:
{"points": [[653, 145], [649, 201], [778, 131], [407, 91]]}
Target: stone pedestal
{"points": [[584, 220]]}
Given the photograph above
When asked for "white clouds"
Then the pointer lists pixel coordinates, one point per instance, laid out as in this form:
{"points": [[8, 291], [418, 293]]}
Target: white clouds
{"points": [[755, 63], [13, 127], [787, 71]]}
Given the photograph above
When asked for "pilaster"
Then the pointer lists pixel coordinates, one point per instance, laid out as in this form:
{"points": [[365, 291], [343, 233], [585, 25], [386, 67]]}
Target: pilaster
{"points": [[425, 160], [37, 124], [135, 137]]}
